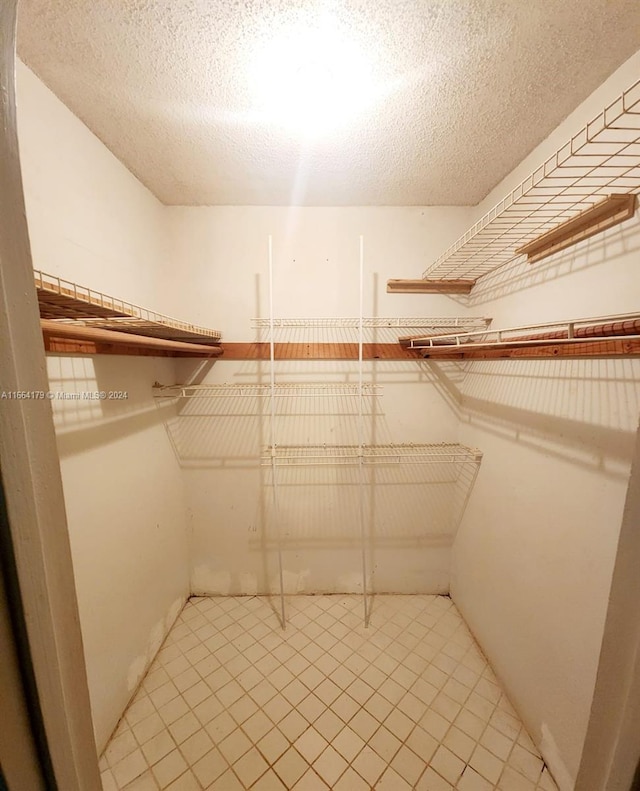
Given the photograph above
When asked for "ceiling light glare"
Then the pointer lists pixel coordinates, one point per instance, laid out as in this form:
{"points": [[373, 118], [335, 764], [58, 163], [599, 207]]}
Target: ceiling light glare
{"points": [[311, 80]]}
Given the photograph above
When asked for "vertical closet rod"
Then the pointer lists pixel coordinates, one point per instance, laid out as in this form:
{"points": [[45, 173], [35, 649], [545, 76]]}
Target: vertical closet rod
{"points": [[272, 433], [361, 443]]}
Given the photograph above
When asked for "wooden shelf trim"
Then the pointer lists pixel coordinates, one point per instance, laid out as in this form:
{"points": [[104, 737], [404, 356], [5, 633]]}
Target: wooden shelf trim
{"points": [[65, 338], [606, 214], [584, 338], [601, 159], [424, 286], [318, 351]]}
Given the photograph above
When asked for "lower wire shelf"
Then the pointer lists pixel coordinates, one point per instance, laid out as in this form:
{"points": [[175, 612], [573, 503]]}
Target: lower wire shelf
{"points": [[369, 455]]}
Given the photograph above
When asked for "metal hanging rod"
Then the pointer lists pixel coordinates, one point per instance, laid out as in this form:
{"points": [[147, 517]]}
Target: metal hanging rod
{"points": [[279, 390], [369, 455], [619, 326], [373, 322], [603, 158]]}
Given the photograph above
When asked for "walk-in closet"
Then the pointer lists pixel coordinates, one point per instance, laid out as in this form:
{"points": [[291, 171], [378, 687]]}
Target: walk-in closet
{"points": [[320, 389]]}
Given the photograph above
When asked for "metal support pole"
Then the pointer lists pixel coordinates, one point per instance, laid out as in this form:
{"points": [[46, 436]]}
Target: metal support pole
{"points": [[272, 435], [363, 536]]}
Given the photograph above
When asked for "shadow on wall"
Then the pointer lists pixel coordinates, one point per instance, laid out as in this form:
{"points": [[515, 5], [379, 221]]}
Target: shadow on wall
{"points": [[100, 400], [582, 411], [518, 275]]}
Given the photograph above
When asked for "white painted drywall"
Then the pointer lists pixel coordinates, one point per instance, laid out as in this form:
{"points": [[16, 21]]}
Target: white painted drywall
{"points": [[533, 559], [219, 258], [92, 222]]}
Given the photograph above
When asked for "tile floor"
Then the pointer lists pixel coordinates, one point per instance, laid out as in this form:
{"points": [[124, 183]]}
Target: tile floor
{"points": [[233, 702]]}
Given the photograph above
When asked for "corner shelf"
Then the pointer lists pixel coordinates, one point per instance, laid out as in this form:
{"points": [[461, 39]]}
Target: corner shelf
{"points": [[602, 158], [603, 336], [76, 318]]}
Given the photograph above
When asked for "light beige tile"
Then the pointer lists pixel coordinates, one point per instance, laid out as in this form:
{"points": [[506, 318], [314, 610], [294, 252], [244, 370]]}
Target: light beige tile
{"points": [[311, 708], [486, 764], [399, 724], [496, 742], [459, 743], [186, 782], [384, 743], [293, 725], [220, 727], [351, 781], [273, 745], [235, 745], [209, 767], [447, 764], [145, 782], [467, 722], [196, 746], [290, 767], [310, 744], [173, 710], [392, 781], [408, 765], [269, 782], [527, 764], [472, 781], [158, 747], [129, 768], [226, 782], [169, 768], [348, 743], [369, 765], [511, 780], [330, 765], [432, 781], [310, 781], [108, 781], [250, 767]]}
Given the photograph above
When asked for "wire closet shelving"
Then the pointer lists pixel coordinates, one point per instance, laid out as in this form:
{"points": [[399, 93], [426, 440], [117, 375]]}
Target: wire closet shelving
{"points": [[601, 159], [620, 327]]}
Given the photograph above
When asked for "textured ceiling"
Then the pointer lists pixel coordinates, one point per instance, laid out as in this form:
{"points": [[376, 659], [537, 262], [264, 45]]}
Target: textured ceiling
{"points": [[465, 89]]}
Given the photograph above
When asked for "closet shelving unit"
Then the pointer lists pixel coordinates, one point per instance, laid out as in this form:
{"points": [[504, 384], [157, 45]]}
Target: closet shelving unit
{"points": [[373, 455], [351, 330], [604, 336], [601, 160], [78, 319]]}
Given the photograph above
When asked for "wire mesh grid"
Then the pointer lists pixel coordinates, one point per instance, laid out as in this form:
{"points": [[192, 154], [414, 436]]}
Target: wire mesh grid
{"points": [[603, 158], [79, 302], [317, 455], [623, 326], [375, 330], [280, 390]]}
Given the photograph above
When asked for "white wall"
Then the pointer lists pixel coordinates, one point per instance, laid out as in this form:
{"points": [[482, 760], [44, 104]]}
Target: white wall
{"points": [[91, 221], [219, 258], [533, 558]]}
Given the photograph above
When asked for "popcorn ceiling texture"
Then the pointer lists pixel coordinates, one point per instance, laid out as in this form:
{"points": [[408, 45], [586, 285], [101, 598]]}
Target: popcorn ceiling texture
{"points": [[471, 87]]}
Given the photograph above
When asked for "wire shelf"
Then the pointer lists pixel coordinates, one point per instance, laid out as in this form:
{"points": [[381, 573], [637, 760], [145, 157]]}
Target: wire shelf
{"points": [[283, 390], [615, 327], [373, 322], [62, 299], [371, 455], [603, 158]]}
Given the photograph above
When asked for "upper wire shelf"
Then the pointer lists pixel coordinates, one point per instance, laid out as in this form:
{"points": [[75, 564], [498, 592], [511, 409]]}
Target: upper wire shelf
{"points": [[390, 454], [64, 300], [284, 390], [603, 158]]}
